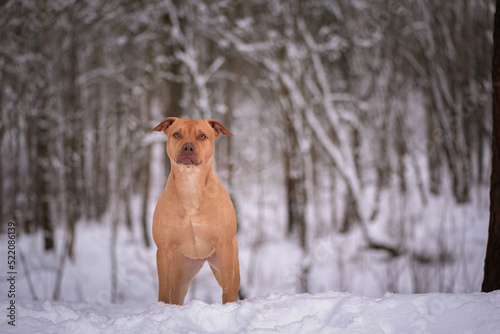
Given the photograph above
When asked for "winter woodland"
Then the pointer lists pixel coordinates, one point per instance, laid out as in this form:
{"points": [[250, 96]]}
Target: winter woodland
{"points": [[361, 152]]}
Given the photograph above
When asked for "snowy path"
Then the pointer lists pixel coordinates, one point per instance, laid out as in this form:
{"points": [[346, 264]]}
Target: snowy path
{"points": [[277, 313]]}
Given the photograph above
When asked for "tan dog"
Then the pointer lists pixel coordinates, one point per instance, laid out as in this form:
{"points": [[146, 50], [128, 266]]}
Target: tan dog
{"points": [[194, 219]]}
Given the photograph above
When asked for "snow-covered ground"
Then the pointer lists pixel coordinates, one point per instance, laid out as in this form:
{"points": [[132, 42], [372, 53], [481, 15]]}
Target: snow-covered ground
{"points": [[272, 306], [329, 312], [270, 275]]}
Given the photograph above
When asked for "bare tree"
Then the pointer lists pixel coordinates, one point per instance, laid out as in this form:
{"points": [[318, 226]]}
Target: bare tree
{"points": [[491, 279]]}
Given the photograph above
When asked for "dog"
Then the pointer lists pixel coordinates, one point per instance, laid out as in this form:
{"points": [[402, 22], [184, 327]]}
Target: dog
{"points": [[194, 220]]}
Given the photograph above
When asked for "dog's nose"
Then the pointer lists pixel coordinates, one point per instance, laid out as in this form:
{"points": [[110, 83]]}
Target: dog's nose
{"points": [[188, 147]]}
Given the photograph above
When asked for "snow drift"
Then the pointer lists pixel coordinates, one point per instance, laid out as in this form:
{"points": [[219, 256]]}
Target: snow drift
{"points": [[330, 312]]}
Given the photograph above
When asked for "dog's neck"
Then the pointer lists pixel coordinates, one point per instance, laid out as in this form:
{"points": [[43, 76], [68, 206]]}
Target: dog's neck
{"points": [[190, 183]]}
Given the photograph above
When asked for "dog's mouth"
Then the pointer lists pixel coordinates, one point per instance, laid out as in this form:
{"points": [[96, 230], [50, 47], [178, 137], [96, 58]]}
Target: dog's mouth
{"points": [[187, 160]]}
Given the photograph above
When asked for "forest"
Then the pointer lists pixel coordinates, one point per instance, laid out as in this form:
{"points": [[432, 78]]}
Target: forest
{"points": [[362, 135]]}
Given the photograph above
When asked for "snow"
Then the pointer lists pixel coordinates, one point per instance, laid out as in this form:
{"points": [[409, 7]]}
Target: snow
{"points": [[270, 285], [330, 312]]}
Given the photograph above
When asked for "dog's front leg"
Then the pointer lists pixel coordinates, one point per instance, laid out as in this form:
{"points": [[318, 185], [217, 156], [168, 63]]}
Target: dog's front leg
{"points": [[228, 270], [170, 264]]}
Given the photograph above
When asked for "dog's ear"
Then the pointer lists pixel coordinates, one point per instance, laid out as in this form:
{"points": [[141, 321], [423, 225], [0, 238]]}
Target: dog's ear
{"points": [[218, 128], [163, 126]]}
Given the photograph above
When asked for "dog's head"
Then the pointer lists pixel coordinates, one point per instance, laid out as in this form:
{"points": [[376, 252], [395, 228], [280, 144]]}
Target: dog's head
{"points": [[191, 142]]}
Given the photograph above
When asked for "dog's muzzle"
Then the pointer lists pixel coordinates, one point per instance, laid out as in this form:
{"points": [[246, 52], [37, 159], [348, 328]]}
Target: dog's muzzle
{"points": [[187, 155]]}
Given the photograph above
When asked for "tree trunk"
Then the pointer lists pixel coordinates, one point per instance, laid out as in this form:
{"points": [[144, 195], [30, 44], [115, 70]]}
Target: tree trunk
{"points": [[41, 213], [351, 215], [2, 154], [174, 86], [73, 146], [42, 193], [145, 199], [295, 186], [491, 280], [433, 155], [229, 91]]}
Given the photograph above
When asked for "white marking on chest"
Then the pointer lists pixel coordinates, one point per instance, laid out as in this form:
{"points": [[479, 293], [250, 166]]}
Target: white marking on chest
{"points": [[196, 241]]}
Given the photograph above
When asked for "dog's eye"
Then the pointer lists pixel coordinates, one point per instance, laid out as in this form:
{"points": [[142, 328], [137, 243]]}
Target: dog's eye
{"points": [[177, 135], [202, 136]]}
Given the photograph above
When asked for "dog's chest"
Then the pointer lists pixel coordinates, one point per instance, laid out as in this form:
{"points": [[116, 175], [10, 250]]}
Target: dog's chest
{"points": [[197, 239]]}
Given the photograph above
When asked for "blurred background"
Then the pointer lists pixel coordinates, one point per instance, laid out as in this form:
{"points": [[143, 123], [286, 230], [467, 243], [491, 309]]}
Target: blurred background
{"points": [[360, 159]]}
